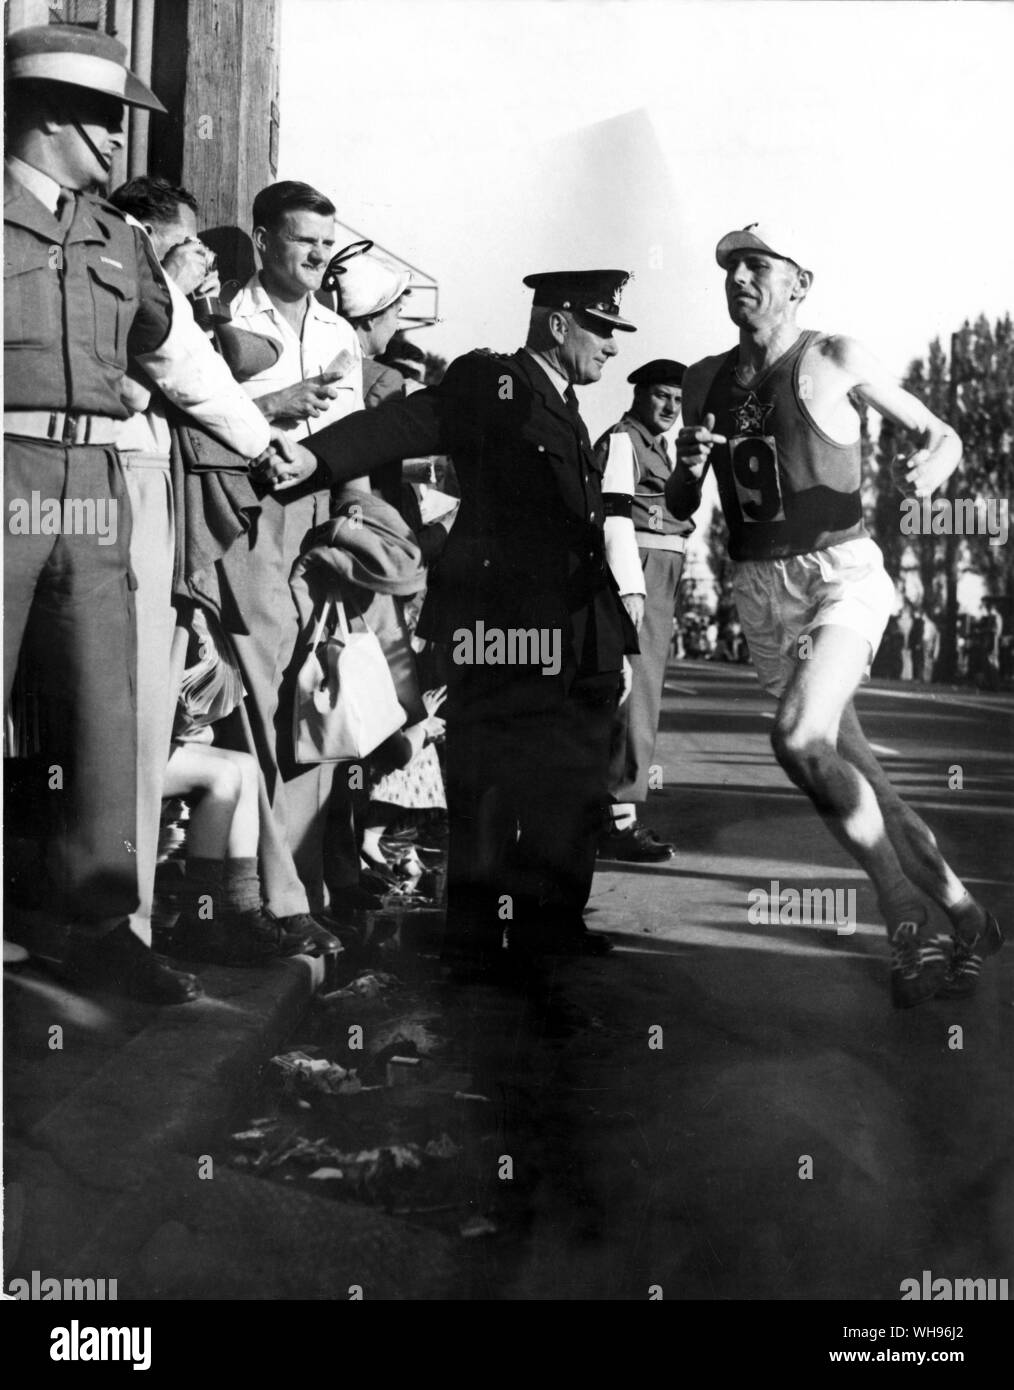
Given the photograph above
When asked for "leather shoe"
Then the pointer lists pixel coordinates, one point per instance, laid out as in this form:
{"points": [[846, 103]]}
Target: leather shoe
{"points": [[634, 845], [244, 938], [121, 962], [313, 938]]}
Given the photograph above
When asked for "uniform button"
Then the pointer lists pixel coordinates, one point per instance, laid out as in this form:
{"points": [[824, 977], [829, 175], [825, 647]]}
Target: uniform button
{"points": [[485, 564], [591, 516], [542, 448]]}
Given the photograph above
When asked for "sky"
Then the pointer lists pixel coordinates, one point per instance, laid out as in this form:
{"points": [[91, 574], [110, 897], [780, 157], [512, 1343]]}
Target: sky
{"points": [[485, 139]]}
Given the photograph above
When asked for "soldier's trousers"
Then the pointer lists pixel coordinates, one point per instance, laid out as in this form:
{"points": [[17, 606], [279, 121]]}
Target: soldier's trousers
{"points": [[632, 744], [67, 592], [527, 760]]}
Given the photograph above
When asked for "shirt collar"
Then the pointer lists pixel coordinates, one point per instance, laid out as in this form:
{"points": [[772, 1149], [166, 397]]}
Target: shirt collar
{"points": [[40, 185], [257, 300], [556, 377], [654, 441]]}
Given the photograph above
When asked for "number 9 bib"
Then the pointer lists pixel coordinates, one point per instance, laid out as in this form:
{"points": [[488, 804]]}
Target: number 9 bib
{"points": [[754, 460]]}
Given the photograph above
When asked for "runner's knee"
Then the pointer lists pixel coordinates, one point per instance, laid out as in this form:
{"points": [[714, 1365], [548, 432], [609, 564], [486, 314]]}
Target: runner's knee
{"points": [[798, 748]]}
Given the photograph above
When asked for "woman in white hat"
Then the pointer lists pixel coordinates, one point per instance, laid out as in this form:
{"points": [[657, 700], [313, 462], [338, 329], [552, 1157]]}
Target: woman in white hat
{"points": [[368, 291]]}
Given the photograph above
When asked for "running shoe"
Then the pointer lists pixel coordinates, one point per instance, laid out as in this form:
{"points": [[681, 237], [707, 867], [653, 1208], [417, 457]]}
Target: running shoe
{"points": [[962, 977], [918, 965]]}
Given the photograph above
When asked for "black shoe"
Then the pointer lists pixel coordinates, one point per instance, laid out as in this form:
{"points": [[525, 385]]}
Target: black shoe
{"points": [[241, 938], [634, 845], [655, 839], [313, 938], [121, 962]]}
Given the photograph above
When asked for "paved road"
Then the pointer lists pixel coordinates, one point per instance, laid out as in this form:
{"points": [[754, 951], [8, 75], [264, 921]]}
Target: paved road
{"points": [[685, 1166], [792, 1138]]}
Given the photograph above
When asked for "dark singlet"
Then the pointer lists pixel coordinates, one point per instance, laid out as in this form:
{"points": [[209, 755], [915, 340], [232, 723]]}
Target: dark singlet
{"points": [[786, 487]]}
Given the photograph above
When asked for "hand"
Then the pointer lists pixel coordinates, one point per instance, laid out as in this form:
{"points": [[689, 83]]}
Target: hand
{"points": [[634, 604], [302, 401], [285, 464], [433, 699], [694, 445], [434, 726], [187, 263], [628, 682], [922, 473]]}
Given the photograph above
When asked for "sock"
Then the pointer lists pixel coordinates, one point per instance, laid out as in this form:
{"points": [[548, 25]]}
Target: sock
{"points": [[242, 892], [202, 884], [624, 815], [902, 905]]}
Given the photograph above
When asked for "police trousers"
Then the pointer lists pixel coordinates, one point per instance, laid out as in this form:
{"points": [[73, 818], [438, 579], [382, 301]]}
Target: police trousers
{"points": [[527, 763]]}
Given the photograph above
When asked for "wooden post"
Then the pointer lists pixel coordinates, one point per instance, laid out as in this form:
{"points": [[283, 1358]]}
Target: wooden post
{"points": [[142, 33], [216, 70]]}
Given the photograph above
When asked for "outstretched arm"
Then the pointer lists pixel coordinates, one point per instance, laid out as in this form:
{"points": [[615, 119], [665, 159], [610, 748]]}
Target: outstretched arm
{"points": [[939, 451], [693, 443]]}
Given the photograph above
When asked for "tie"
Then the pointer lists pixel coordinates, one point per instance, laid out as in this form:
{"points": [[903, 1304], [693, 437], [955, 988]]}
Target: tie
{"points": [[65, 207], [570, 396], [663, 444]]}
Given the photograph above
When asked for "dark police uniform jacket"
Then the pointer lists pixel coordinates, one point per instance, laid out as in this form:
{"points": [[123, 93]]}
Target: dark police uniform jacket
{"points": [[526, 549]]}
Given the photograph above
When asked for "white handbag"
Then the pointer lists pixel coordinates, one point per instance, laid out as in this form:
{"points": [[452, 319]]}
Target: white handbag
{"points": [[346, 704]]}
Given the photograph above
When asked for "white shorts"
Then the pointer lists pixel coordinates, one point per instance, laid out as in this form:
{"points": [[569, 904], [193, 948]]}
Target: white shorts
{"points": [[779, 601]]}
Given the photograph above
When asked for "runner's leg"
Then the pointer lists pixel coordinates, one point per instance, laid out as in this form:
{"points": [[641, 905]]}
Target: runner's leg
{"points": [[806, 743], [913, 840]]}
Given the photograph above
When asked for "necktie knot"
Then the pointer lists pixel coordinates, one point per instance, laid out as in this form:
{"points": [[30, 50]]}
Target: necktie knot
{"points": [[570, 396]]}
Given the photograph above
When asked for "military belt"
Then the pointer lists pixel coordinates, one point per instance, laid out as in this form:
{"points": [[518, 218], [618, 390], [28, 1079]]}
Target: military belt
{"points": [[62, 426]]}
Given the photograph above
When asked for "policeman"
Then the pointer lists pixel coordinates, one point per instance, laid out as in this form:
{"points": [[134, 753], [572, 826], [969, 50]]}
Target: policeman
{"points": [[528, 609], [637, 446], [83, 296]]}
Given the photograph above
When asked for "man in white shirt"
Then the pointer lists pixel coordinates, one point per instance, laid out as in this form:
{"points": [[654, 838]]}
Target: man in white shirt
{"points": [[316, 380], [169, 216]]}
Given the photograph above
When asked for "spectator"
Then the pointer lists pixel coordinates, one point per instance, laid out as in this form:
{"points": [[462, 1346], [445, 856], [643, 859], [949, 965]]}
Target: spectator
{"points": [[930, 647], [222, 921], [369, 291], [169, 216], [316, 380]]}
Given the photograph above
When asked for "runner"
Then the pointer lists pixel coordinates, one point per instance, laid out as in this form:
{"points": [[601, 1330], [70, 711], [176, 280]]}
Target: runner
{"points": [[776, 418]]}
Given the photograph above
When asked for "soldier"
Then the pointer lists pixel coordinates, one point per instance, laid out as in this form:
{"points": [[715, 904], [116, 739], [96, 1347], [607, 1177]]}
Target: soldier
{"points": [[649, 582], [524, 600], [83, 296]]}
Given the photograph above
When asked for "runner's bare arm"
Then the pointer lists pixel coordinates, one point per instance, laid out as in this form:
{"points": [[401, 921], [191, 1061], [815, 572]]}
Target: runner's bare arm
{"points": [[939, 451], [693, 443]]}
